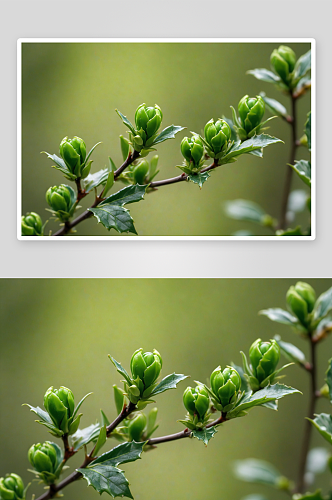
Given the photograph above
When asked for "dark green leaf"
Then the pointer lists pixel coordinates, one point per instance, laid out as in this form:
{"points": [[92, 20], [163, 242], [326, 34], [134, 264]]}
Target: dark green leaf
{"points": [[121, 454], [204, 434], [274, 106], [199, 178], [323, 305], [106, 478], [114, 216], [168, 382], [84, 436], [323, 424], [309, 496], [126, 122], [303, 65], [280, 316], [269, 393], [129, 194], [303, 170], [264, 74], [121, 370], [329, 378], [245, 210], [308, 130], [240, 148], [290, 351], [167, 133], [94, 180], [257, 471]]}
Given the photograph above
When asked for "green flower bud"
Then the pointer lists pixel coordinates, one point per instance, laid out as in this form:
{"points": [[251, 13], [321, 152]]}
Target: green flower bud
{"points": [[140, 172], [46, 458], [148, 120], [192, 149], [225, 385], [59, 403], [145, 368], [31, 225], [62, 200], [136, 427], [251, 112], [264, 357], [73, 153], [297, 305], [307, 293], [11, 487], [283, 62], [196, 401], [217, 134]]}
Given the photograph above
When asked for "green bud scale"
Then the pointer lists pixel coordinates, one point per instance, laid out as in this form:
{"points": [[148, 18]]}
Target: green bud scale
{"points": [[62, 200], [11, 487], [59, 403], [32, 225], [145, 369], [264, 357], [217, 134], [196, 401], [46, 458], [225, 385], [283, 62]]}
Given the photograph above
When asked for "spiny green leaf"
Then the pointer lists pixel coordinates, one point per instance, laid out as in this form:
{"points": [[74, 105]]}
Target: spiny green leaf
{"points": [[167, 133], [168, 382], [129, 194], [256, 471], [280, 316], [107, 478], [303, 170], [121, 454], [204, 434], [114, 216], [199, 178], [323, 423]]}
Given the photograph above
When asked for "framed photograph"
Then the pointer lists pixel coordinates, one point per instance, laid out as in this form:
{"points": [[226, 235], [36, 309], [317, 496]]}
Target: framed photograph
{"points": [[166, 138]]}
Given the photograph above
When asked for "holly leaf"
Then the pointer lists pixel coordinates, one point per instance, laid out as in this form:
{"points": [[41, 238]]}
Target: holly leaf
{"points": [[323, 305], [268, 394], [245, 210], [323, 423], [82, 437], [121, 454], [167, 133], [114, 217], [107, 478], [168, 382], [257, 471], [121, 370], [255, 143], [264, 75], [290, 351], [303, 170], [303, 65], [280, 316], [199, 178], [204, 434], [274, 106], [129, 194]]}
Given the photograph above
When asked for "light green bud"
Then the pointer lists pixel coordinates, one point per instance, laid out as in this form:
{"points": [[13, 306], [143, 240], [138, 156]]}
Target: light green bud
{"points": [[297, 305], [264, 357], [62, 200], [251, 112], [307, 293], [192, 150], [73, 153], [283, 62], [148, 120], [140, 172], [196, 401], [11, 487], [145, 368], [59, 403], [31, 225], [46, 458], [225, 385], [217, 134]]}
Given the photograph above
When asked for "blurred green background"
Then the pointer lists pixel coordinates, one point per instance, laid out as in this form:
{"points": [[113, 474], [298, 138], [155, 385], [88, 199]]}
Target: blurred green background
{"points": [[59, 332], [73, 89]]}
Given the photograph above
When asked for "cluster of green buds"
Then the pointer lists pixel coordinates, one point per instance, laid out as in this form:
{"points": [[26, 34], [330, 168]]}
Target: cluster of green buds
{"points": [[47, 461], [62, 200], [145, 369], [73, 153], [32, 225], [12, 488], [264, 358], [196, 400], [192, 149], [251, 111], [283, 62], [147, 120], [225, 388], [59, 404], [217, 135], [301, 300]]}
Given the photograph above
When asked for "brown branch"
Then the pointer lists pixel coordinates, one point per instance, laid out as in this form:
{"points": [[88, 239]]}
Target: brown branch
{"points": [[181, 177]]}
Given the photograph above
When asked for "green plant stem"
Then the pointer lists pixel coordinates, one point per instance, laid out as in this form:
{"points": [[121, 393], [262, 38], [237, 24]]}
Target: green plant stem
{"points": [[300, 486], [289, 173]]}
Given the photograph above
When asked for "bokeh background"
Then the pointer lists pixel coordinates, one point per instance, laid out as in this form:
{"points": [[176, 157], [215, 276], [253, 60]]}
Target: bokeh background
{"points": [[60, 331], [73, 89]]}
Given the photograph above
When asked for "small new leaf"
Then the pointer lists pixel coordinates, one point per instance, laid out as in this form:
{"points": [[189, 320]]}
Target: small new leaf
{"points": [[291, 352], [168, 382], [204, 434], [167, 133], [121, 370], [94, 180], [274, 106], [280, 316], [255, 143], [323, 305], [323, 423], [303, 170], [303, 65], [107, 478], [199, 178], [82, 437], [264, 75], [126, 122]]}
